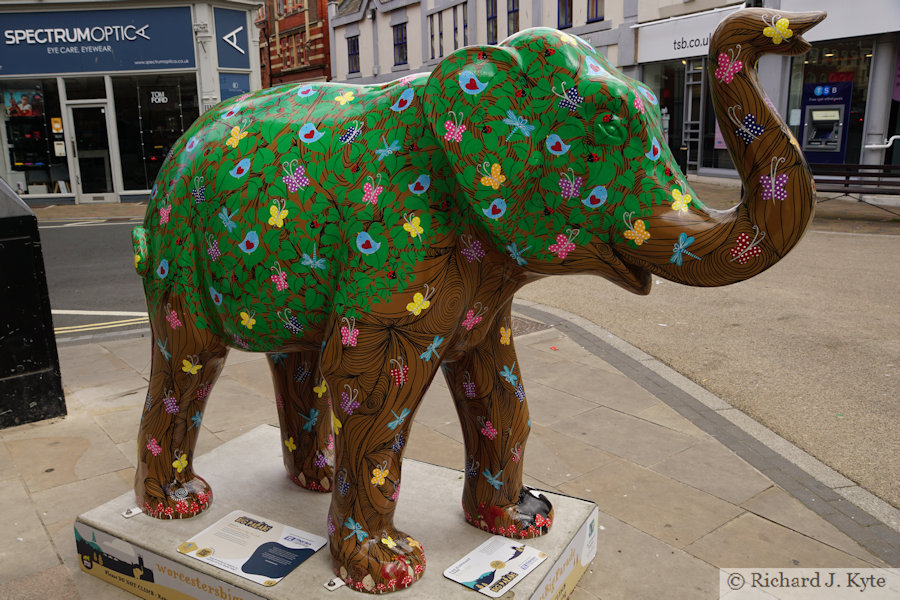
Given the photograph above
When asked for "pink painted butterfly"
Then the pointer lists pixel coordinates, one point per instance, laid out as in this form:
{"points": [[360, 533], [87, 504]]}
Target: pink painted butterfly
{"points": [[371, 190], [164, 213], [568, 98], [472, 317], [400, 373], [516, 452], [278, 277], [170, 403], [468, 386], [294, 175], [349, 332], [773, 183], [747, 248], [569, 184], [172, 317], [638, 104], [212, 247], [349, 402], [564, 244], [487, 429], [153, 447], [454, 128], [472, 248], [729, 65]]}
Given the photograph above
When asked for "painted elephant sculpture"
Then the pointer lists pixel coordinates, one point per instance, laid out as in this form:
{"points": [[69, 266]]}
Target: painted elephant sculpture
{"points": [[363, 236]]}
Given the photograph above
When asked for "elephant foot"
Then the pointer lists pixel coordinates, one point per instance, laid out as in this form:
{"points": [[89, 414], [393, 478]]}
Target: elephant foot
{"points": [[530, 517], [316, 482], [178, 500], [377, 566]]}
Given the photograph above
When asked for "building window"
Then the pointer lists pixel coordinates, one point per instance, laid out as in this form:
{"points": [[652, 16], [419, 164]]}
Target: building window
{"points": [[512, 16], [353, 54], [491, 21], [287, 51], [440, 34], [455, 30], [595, 10], [431, 31], [465, 12], [564, 19], [400, 44]]}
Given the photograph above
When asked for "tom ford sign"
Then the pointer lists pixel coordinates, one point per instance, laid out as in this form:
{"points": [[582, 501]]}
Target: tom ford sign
{"points": [[96, 40]]}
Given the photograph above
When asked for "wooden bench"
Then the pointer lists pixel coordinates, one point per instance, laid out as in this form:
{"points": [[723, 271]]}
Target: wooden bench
{"points": [[856, 180]]}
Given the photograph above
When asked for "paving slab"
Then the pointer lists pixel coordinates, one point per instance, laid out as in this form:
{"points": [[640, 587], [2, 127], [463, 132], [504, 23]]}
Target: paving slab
{"points": [[25, 547]]}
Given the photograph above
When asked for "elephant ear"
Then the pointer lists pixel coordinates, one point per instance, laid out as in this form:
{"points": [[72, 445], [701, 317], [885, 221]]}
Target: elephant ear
{"points": [[478, 104]]}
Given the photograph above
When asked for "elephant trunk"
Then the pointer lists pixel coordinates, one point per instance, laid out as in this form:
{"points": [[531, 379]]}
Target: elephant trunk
{"points": [[779, 195]]}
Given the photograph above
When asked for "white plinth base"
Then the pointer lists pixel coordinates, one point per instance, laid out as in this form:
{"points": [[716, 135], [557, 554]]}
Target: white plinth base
{"points": [[247, 473]]}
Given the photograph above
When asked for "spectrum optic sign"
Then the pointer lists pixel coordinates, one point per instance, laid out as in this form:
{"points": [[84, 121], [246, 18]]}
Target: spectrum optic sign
{"points": [[96, 40]]}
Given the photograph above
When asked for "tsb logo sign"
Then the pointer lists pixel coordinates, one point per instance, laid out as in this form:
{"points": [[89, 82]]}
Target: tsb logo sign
{"points": [[158, 97]]}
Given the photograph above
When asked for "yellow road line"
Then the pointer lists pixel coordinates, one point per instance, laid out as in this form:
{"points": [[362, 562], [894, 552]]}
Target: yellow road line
{"points": [[107, 325]]}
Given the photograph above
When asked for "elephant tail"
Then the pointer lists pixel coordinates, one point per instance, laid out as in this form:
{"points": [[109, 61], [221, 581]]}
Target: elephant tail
{"points": [[139, 246]]}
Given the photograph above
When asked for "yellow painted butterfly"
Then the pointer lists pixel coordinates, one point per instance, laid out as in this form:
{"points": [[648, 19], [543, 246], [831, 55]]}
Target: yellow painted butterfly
{"points": [[420, 301], [336, 424], [413, 226], [180, 462], [191, 366], [681, 200], [637, 231], [388, 541], [344, 98], [236, 135], [277, 214], [493, 178], [291, 446], [379, 473], [247, 320], [320, 389], [779, 30], [505, 335]]}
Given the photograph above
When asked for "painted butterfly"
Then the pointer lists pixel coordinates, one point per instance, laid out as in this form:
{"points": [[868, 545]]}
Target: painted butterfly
{"points": [[729, 65], [349, 332], [349, 403], [371, 191], [569, 184], [468, 386], [203, 391], [637, 231], [471, 467], [778, 30], [153, 447], [472, 250], [454, 132], [505, 335], [302, 372], [320, 460], [488, 430], [379, 474], [345, 97], [747, 248], [516, 452], [472, 317], [279, 277], [294, 175], [343, 485], [681, 200], [290, 322], [172, 318], [164, 213], [491, 176], [564, 244], [320, 389], [399, 441], [400, 373], [212, 248], [191, 366], [413, 226], [277, 213], [289, 443], [247, 319], [199, 190], [520, 392], [638, 104], [749, 130], [568, 98], [170, 404], [180, 463], [421, 302], [388, 541], [352, 132], [235, 136], [773, 184]]}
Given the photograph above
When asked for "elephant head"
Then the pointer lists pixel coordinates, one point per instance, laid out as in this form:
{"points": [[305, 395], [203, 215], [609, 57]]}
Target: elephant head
{"points": [[561, 159]]}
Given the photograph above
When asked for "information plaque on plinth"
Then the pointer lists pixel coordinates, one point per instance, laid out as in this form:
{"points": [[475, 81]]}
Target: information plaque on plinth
{"points": [[140, 553]]}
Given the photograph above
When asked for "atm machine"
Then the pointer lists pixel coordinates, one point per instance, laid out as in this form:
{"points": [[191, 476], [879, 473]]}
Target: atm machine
{"points": [[823, 128]]}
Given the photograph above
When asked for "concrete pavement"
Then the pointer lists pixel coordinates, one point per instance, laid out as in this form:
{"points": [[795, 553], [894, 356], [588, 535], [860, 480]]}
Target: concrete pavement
{"points": [[666, 462]]}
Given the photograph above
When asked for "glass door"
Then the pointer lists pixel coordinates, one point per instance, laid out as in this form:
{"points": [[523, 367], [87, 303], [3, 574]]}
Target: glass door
{"points": [[90, 151]]}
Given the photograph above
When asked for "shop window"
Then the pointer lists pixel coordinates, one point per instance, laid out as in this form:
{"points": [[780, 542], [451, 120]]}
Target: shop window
{"points": [[35, 161], [491, 21], [353, 54], [152, 111], [512, 16]]}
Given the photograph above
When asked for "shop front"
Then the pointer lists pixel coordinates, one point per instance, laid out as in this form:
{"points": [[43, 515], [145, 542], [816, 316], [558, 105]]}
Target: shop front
{"points": [[92, 100]]}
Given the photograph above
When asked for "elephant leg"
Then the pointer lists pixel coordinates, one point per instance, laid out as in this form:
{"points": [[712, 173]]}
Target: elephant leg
{"points": [[304, 415], [376, 388], [185, 364], [490, 400]]}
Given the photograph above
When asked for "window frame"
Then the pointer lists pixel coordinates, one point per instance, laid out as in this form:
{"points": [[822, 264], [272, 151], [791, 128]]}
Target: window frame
{"points": [[352, 42], [512, 13], [400, 45], [491, 8], [595, 6], [563, 14]]}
